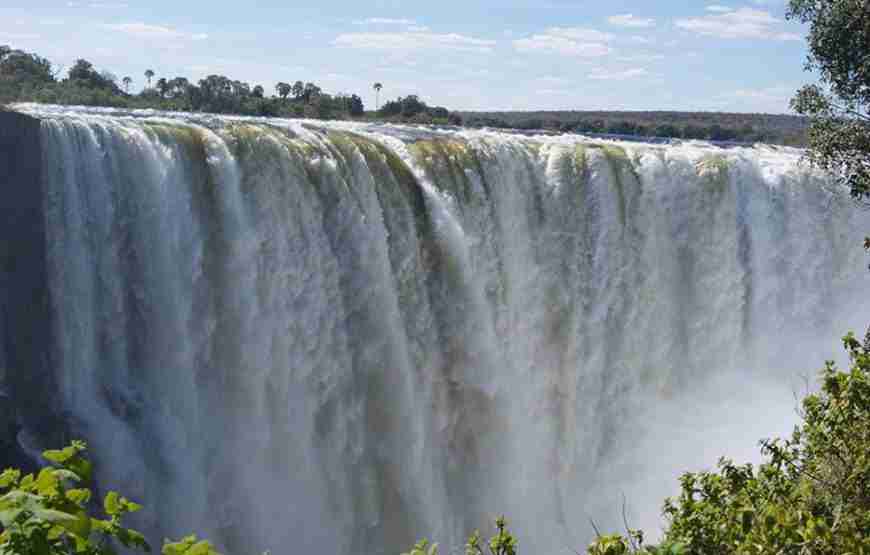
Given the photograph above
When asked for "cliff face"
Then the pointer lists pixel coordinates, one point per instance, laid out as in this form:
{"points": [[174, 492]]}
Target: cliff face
{"points": [[344, 336], [26, 409]]}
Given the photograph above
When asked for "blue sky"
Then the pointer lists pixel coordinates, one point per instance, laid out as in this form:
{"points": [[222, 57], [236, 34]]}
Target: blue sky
{"points": [[496, 54]]}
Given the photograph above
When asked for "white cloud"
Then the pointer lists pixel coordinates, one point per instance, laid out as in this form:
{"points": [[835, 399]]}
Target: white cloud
{"points": [[641, 58], [98, 5], [551, 80], [155, 32], [580, 33], [413, 40], [384, 21], [567, 41], [560, 45], [604, 75], [629, 20], [418, 28], [718, 9], [745, 23]]}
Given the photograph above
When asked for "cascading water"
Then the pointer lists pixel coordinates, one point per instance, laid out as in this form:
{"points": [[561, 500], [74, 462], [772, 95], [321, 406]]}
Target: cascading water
{"points": [[335, 338]]}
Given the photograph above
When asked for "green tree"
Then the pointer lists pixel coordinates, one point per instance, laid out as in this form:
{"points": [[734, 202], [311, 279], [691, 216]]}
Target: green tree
{"points": [[298, 89], [377, 87], [127, 81], [163, 87], [839, 47], [258, 91], [19, 65], [83, 74], [240, 89], [179, 87], [283, 89], [355, 105], [22, 73], [310, 92], [82, 70], [412, 105], [149, 73], [220, 94], [392, 107]]}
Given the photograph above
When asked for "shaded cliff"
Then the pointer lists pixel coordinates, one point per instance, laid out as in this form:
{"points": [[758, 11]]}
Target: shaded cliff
{"points": [[29, 411]]}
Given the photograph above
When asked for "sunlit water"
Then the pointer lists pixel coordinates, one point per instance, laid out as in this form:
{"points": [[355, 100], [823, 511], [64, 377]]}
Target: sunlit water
{"points": [[333, 338]]}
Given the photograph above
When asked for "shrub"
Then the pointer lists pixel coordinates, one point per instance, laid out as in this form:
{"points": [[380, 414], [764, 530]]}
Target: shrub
{"points": [[48, 513], [502, 543]]}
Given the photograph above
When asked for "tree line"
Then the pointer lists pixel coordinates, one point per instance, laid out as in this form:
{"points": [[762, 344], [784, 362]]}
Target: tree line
{"points": [[706, 126], [28, 77]]}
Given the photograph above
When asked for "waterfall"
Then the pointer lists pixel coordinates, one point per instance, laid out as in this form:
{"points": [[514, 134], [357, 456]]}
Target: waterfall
{"points": [[335, 338]]}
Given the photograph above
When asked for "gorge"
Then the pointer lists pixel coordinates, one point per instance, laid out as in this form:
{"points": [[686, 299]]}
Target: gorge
{"points": [[340, 337]]}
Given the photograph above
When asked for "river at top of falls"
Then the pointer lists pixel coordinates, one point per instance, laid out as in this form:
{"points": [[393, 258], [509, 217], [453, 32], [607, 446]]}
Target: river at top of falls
{"points": [[335, 337]]}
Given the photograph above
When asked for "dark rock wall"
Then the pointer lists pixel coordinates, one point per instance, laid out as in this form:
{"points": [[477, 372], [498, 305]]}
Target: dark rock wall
{"points": [[28, 416]]}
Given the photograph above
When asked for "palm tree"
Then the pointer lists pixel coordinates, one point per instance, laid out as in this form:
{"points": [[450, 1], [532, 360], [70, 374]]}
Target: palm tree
{"points": [[149, 73], [377, 87], [127, 81]]}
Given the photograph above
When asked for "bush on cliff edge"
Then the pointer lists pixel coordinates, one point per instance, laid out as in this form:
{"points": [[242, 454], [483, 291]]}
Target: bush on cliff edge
{"points": [[51, 513]]}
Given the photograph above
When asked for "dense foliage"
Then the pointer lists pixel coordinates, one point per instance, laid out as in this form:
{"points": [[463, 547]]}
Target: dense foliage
{"points": [[26, 77], [839, 48], [52, 513], [502, 543], [413, 110], [765, 128]]}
